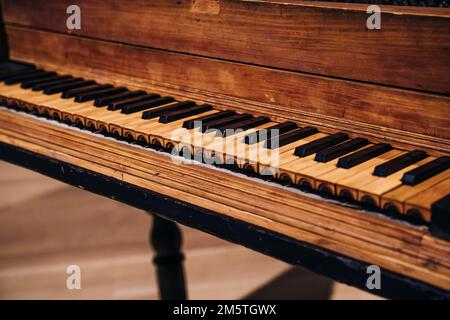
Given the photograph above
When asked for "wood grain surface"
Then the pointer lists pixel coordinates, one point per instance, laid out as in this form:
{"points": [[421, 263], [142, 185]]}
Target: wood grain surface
{"points": [[371, 238], [410, 50]]}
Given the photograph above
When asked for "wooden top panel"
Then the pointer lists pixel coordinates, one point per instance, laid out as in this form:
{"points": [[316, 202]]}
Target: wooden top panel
{"points": [[410, 50]]}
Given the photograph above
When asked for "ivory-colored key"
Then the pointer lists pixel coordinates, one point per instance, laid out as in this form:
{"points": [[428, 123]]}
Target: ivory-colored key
{"points": [[371, 192], [130, 120], [420, 204], [266, 159], [395, 199], [349, 186], [288, 162], [327, 182], [306, 174], [162, 133], [230, 146]]}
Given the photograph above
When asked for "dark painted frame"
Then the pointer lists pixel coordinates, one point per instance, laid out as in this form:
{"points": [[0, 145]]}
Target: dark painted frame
{"points": [[333, 265], [4, 52]]}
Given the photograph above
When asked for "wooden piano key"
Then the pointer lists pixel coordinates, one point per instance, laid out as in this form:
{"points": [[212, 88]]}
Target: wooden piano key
{"points": [[197, 122], [420, 204], [175, 115], [327, 182], [394, 200], [73, 93], [120, 104], [135, 119], [427, 171], [106, 120], [56, 106], [114, 122], [8, 73], [22, 96], [440, 218], [157, 112], [69, 112], [126, 119], [105, 101], [363, 155], [371, 192], [280, 127], [349, 186], [50, 78], [37, 74], [162, 133], [156, 133], [341, 149], [397, 164], [145, 105], [306, 174], [62, 88], [187, 139], [99, 94], [229, 147], [99, 119], [12, 90], [291, 166], [62, 80], [289, 137], [80, 112], [321, 144], [215, 124]]}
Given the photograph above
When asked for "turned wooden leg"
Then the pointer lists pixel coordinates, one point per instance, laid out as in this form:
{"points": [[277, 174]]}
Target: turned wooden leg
{"points": [[165, 237]]}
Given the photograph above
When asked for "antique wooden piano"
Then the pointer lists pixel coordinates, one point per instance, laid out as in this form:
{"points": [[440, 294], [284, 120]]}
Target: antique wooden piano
{"points": [[340, 133]]}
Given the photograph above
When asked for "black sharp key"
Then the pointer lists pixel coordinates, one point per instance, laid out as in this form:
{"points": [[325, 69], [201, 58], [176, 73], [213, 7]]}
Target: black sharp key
{"points": [[28, 77], [320, 144], [340, 149], [45, 85], [31, 83], [258, 136], [67, 86], [150, 114], [104, 101], [426, 171], [82, 97], [399, 163], [92, 88], [180, 114], [119, 104], [214, 124], [10, 69], [229, 130], [197, 122], [141, 106], [363, 155], [21, 73], [289, 137]]}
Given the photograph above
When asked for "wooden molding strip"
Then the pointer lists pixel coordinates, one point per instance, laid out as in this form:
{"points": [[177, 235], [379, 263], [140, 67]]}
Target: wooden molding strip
{"points": [[392, 245]]}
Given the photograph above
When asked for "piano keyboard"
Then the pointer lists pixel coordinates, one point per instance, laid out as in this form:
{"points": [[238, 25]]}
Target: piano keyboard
{"points": [[398, 182]]}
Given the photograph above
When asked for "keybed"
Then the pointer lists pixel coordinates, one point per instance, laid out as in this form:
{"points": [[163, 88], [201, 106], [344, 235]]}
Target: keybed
{"points": [[403, 183]]}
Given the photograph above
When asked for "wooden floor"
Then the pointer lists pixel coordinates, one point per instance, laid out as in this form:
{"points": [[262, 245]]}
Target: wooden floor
{"points": [[46, 225]]}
